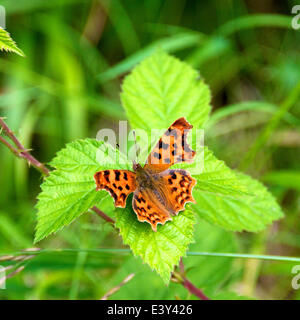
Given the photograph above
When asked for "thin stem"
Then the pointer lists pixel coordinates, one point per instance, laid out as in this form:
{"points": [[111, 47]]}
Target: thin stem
{"points": [[193, 290], [20, 151], [10, 134], [10, 147], [118, 287], [188, 284], [102, 215], [7, 255]]}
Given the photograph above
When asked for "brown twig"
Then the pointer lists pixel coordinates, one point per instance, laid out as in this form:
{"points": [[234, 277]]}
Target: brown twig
{"points": [[180, 277], [102, 215], [9, 146], [20, 151], [16, 261], [118, 287], [193, 290]]}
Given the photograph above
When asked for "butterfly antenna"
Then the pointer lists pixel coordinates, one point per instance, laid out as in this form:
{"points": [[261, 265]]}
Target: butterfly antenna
{"points": [[136, 150]]}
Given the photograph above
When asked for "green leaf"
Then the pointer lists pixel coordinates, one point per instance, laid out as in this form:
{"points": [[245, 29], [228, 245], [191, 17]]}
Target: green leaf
{"points": [[163, 249], [8, 44], [162, 89], [70, 189], [237, 212], [213, 175]]}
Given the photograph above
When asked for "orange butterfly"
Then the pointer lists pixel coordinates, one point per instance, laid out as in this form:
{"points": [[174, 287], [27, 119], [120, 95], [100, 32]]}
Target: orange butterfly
{"points": [[159, 192]]}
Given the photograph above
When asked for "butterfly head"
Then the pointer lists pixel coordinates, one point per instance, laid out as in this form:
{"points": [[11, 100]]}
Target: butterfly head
{"points": [[136, 166]]}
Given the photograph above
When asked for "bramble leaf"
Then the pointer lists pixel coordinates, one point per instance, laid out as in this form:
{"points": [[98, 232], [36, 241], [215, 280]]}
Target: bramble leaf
{"points": [[163, 249], [8, 44], [70, 190], [213, 175], [162, 89], [237, 212]]}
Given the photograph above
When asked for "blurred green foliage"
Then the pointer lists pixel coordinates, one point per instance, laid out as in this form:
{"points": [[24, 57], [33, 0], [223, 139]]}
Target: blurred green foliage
{"points": [[67, 87]]}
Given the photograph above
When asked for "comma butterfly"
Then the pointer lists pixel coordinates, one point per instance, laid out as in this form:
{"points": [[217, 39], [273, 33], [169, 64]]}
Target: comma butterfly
{"points": [[159, 192]]}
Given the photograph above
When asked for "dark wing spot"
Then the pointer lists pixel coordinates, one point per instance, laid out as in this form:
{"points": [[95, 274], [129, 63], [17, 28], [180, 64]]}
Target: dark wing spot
{"points": [[182, 141], [174, 176], [115, 186], [123, 195], [172, 132], [120, 188], [125, 176], [157, 155], [106, 172], [112, 193], [174, 189], [127, 187], [135, 206], [117, 173], [170, 181], [162, 145]]}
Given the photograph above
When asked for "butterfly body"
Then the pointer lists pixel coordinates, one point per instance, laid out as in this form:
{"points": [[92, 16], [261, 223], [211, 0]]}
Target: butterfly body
{"points": [[144, 178], [158, 192]]}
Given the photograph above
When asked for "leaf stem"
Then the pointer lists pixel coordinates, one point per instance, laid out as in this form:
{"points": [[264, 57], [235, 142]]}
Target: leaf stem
{"points": [[20, 151], [102, 215], [188, 284], [9, 146], [193, 290]]}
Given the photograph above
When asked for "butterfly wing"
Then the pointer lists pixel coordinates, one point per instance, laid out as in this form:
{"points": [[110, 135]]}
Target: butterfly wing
{"points": [[171, 148], [149, 206], [172, 189], [178, 186], [119, 183]]}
